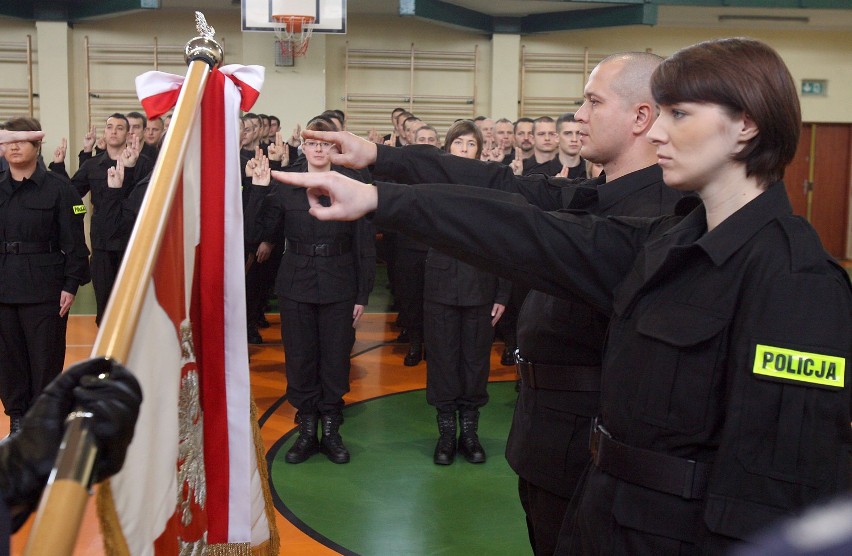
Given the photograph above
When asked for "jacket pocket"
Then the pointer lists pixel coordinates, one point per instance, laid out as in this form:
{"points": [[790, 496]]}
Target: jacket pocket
{"points": [[41, 213], [656, 513], [682, 360], [739, 519]]}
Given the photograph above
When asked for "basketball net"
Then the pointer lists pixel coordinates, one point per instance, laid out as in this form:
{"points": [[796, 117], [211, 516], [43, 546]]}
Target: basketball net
{"points": [[294, 33]]}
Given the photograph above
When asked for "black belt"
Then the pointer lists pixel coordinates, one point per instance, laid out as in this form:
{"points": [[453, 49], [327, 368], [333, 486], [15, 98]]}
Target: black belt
{"points": [[682, 477], [566, 378], [317, 249], [26, 247]]}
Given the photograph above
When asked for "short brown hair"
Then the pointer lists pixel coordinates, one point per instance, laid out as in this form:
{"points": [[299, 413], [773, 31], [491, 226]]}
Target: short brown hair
{"points": [[744, 76], [464, 127], [24, 123], [321, 123]]}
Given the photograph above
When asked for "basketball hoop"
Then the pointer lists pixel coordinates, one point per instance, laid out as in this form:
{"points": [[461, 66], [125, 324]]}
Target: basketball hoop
{"points": [[294, 33]]}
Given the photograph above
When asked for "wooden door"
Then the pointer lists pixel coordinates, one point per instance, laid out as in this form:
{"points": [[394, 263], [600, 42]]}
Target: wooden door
{"points": [[830, 201]]}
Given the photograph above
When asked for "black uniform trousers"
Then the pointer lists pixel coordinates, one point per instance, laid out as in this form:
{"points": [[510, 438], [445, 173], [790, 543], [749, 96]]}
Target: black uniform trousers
{"points": [[260, 279], [32, 341], [458, 345], [545, 512], [318, 339], [409, 274], [104, 268]]}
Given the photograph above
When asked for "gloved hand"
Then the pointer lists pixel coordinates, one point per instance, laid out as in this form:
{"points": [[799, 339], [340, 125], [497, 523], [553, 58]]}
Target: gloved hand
{"points": [[27, 457]]}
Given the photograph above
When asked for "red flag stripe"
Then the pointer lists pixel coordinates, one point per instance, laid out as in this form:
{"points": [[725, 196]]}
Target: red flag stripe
{"points": [[211, 351]]}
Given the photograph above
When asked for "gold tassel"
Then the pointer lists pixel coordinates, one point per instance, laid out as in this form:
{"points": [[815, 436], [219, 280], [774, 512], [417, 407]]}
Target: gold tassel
{"points": [[114, 541], [273, 545], [229, 549]]}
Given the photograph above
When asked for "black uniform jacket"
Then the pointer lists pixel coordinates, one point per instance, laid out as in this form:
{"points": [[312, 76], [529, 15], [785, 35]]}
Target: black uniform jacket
{"points": [[452, 282], [730, 347], [92, 177], [554, 166], [314, 279], [45, 208]]}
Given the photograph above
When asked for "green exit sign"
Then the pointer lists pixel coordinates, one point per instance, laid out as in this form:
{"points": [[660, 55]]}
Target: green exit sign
{"points": [[815, 87]]}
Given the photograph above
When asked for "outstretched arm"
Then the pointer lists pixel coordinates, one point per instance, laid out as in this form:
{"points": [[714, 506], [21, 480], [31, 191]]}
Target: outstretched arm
{"points": [[558, 253], [417, 164]]}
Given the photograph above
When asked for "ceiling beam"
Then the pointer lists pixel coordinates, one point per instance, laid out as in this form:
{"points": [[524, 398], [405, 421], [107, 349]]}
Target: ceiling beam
{"points": [[640, 14], [449, 14], [779, 4], [767, 4], [66, 10]]}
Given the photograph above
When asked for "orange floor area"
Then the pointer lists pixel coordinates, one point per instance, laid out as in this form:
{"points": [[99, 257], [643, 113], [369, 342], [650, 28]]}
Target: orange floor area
{"points": [[377, 370]]}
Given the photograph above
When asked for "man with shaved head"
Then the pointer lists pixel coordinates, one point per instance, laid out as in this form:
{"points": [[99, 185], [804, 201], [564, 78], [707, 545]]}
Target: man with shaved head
{"points": [[560, 341]]}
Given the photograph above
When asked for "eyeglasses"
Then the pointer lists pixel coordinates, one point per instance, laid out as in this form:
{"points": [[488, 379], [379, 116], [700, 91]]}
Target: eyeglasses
{"points": [[322, 145]]}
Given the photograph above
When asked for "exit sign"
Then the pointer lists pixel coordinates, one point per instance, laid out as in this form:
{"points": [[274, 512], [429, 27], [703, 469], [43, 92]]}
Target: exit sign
{"points": [[815, 87]]}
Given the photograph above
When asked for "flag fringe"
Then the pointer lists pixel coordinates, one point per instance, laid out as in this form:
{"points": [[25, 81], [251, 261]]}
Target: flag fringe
{"points": [[229, 549], [272, 546], [111, 533]]}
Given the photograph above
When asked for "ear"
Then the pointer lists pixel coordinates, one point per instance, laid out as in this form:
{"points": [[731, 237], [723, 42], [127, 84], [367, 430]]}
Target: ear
{"points": [[643, 118], [749, 129]]}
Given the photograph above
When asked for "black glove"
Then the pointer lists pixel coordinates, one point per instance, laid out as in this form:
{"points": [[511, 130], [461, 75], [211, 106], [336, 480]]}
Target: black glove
{"points": [[27, 457]]}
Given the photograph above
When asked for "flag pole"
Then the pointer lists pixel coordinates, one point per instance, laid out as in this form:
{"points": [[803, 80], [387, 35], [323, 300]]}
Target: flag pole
{"points": [[63, 502]]}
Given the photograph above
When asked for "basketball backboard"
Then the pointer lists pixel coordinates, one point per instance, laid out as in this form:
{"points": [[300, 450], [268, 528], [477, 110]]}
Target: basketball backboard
{"points": [[330, 14]]}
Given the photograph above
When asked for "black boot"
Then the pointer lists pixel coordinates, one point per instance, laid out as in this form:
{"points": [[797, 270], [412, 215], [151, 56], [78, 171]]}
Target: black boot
{"points": [[469, 445], [445, 449], [306, 445], [415, 348], [254, 336], [332, 444]]}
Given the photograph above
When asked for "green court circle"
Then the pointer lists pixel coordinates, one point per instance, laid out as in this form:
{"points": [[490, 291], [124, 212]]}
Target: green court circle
{"points": [[391, 498]]}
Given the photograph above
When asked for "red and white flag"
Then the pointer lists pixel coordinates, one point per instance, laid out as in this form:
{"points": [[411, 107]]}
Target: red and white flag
{"points": [[192, 483]]}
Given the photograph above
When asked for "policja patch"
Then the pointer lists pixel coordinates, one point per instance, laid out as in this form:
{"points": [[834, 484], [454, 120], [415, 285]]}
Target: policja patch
{"points": [[79, 209], [813, 369]]}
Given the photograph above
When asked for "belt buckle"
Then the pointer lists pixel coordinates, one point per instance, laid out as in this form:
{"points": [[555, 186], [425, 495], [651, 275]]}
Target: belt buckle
{"points": [[13, 247], [321, 249]]}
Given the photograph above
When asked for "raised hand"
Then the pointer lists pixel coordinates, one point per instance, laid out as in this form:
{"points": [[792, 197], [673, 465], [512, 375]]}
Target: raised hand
{"points": [[260, 173], [115, 175], [89, 140], [373, 136], [296, 139], [391, 142], [252, 162], [517, 165], [278, 151], [563, 173], [61, 150], [131, 152]]}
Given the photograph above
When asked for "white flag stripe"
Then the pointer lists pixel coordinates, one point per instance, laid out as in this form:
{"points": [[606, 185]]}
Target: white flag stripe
{"points": [[148, 484], [241, 444]]}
